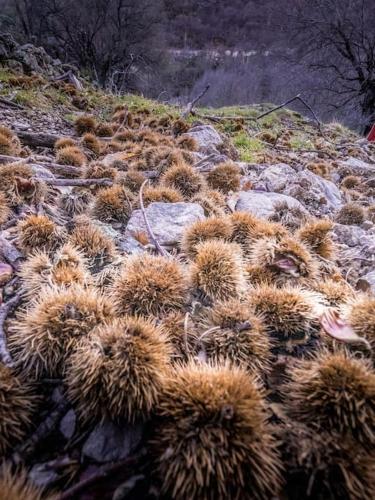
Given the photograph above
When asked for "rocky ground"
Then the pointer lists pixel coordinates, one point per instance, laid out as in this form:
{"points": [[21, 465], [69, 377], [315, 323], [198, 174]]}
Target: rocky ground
{"points": [[166, 281]]}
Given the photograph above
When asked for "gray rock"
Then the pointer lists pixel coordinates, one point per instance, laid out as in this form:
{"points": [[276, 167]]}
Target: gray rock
{"points": [[314, 192], [370, 278], [207, 137], [358, 167], [167, 220], [130, 245], [262, 204], [110, 159], [109, 442], [276, 177], [68, 424], [350, 236], [42, 172]]}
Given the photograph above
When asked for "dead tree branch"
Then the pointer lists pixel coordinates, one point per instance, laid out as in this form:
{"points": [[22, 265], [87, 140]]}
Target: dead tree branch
{"points": [[5, 309], [77, 182], [189, 108], [102, 473], [151, 234], [10, 103], [10, 253], [41, 433]]}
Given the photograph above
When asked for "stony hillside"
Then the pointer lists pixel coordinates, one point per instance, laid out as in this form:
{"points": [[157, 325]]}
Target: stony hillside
{"points": [[187, 304]]}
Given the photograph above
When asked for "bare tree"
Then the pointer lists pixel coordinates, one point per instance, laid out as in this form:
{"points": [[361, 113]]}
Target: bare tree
{"points": [[337, 37], [108, 39]]}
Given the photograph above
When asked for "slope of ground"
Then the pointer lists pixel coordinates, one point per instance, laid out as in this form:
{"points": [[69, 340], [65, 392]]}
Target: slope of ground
{"points": [[187, 303]]}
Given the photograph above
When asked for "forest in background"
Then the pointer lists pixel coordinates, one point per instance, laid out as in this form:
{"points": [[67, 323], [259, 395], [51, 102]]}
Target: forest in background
{"points": [[249, 51]]}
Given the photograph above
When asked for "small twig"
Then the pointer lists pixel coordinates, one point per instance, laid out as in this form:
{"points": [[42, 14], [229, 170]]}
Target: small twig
{"points": [[186, 321], [11, 103], [5, 309], [77, 182], [41, 433], [190, 106], [157, 245], [278, 107], [102, 473]]}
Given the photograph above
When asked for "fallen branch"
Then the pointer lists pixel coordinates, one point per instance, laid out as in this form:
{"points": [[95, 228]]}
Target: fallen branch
{"points": [[41, 433], [102, 473], [10, 253], [295, 98], [189, 108], [5, 309], [77, 182], [10, 103], [157, 245], [45, 140], [70, 77], [56, 168]]}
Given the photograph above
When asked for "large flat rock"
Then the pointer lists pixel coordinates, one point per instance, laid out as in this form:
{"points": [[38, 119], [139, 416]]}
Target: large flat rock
{"points": [[167, 220]]}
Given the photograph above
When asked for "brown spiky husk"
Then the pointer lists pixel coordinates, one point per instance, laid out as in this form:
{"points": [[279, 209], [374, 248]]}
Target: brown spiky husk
{"points": [[229, 331], [64, 142], [266, 251], [9, 142], [212, 202], [217, 271], [247, 228], [322, 465], [225, 177], [161, 194], [183, 178], [18, 404], [71, 155], [42, 337], [361, 316], [212, 440], [351, 214], [5, 210], [181, 333], [336, 393], [10, 174], [117, 373], [150, 285], [316, 236], [288, 313], [99, 171], [113, 204], [91, 142], [334, 292], [16, 486], [213, 228], [39, 232], [84, 124], [65, 268], [76, 202], [98, 248], [132, 180]]}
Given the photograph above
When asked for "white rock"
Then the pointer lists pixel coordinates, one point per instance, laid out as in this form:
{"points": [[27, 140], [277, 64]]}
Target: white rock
{"points": [[207, 137], [167, 220], [262, 204]]}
